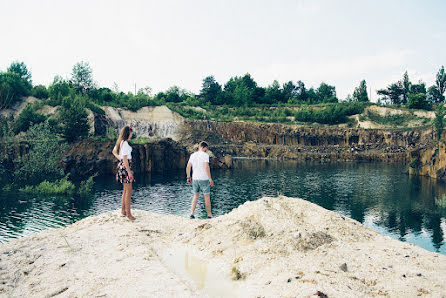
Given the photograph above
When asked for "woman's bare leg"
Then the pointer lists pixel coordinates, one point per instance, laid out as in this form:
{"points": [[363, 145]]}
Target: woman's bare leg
{"points": [[123, 201], [128, 196]]}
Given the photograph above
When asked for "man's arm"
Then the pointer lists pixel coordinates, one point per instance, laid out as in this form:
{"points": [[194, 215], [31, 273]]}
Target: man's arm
{"points": [[188, 167], [208, 172]]}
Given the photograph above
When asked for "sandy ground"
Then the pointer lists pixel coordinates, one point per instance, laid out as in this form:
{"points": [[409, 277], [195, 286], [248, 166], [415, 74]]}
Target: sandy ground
{"points": [[276, 247]]}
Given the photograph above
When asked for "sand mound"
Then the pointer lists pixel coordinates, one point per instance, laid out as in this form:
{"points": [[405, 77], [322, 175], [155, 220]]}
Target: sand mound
{"points": [[271, 247]]}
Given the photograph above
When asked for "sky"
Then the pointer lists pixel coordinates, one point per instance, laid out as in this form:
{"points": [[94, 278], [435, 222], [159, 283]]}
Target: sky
{"points": [[173, 42]]}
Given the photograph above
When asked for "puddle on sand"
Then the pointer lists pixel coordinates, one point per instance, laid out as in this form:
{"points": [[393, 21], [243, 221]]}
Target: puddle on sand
{"points": [[208, 276]]}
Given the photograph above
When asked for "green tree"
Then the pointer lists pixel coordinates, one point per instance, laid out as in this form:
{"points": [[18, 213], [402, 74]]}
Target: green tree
{"points": [[74, 118], [240, 91], [326, 93], [393, 93], [440, 82], [27, 118], [434, 95], [41, 163], [12, 89], [40, 91], [211, 90], [82, 77], [58, 89], [406, 87], [439, 120], [273, 94], [21, 69], [360, 93], [418, 101], [289, 91]]}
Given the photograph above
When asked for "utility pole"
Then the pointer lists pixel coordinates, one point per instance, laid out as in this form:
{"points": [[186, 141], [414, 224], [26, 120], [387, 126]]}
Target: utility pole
{"points": [[135, 88]]}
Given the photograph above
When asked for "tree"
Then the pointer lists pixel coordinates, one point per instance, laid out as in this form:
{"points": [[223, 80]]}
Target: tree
{"points": [[434, 95], [41, 163], [406, 87], [240, 91], [394, 93], [27, 118], [418, 88], [326, 93], [273, 94], [21, 69], [12, 89], [289, 91], [40, 91], [440, 82], [211, 90], [360, 93], [82, 77], [418, 101], [439, 120], [74, 118], [58, 89]]}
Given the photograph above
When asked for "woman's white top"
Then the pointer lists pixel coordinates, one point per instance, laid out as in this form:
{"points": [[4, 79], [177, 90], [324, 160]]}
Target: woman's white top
{"points": [[124, 149]]}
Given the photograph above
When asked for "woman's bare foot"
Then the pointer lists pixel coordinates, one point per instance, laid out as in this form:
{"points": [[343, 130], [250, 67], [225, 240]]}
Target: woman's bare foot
{"points": [[123, 213], [131, 217]]}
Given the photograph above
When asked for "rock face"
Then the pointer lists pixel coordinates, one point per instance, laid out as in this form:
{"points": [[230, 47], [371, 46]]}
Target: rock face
{"points": [[297, 142], [89, 156], [159, 122], [429, 161]]}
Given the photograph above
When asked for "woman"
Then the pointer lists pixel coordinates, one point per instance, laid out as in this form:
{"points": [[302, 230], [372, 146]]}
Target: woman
{"points": [[123, 152]]}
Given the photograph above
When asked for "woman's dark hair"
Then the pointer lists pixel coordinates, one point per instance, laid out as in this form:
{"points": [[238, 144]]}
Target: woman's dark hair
{"points": [[123, 136]]}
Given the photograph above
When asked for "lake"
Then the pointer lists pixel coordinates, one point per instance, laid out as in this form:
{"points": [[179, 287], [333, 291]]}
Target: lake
{"points": [[379, 195]]}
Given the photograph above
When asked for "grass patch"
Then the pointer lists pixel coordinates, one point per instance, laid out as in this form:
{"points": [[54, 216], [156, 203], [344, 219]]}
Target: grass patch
{"points": [[86, 187], [395, 120], [60, 187]]}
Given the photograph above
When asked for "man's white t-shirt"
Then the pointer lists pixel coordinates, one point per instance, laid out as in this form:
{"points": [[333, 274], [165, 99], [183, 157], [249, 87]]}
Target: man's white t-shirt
{"points": [[124, 149], [198, 159]]}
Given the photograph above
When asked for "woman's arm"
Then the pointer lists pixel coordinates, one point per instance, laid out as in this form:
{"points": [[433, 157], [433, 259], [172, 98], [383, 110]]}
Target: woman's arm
{"points": [[115, 153]]}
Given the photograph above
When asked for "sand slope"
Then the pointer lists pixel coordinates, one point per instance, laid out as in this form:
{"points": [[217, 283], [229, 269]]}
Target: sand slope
{"points": [[277, 247]]}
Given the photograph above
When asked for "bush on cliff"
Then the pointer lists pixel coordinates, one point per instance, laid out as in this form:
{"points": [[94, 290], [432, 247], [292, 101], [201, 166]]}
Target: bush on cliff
{"points": [[41, 162], [27, 118], [331, 114], [74, 118]]}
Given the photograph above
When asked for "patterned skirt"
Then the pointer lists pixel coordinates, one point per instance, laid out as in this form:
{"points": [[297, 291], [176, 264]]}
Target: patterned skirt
{"points": [[121, 174]]}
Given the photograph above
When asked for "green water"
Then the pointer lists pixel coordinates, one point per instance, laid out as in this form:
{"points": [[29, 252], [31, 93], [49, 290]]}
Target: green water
{"points": [[379, 195]]}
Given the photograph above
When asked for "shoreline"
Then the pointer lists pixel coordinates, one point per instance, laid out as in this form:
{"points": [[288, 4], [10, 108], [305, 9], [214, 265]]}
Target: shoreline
{"points": [[276, 246]]}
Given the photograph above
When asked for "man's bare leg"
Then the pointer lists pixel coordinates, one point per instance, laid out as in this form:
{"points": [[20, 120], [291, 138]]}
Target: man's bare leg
{"points": [[194, 203], [207, 202]]}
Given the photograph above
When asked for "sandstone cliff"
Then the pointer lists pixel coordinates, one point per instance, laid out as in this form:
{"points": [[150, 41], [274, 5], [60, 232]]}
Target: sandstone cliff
{"points": [[429, 161]]}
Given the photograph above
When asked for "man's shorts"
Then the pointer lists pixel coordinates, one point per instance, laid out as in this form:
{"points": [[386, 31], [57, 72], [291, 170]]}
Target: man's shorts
{"points": [[202, 185]]}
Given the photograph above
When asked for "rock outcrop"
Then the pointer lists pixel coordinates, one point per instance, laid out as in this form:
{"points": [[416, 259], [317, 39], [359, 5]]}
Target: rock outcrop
{"points": [[429, 161]]}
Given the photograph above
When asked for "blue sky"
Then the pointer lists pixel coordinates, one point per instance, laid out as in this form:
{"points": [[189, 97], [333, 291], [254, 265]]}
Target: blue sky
{"points": [[165, 43]]}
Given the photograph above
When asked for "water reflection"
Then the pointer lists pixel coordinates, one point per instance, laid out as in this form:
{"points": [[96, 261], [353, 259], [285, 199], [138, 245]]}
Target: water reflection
{"points": [[381, 196]]}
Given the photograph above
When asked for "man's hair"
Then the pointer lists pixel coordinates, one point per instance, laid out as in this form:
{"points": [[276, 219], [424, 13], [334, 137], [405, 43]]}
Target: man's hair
{"points": [[204, 144]]}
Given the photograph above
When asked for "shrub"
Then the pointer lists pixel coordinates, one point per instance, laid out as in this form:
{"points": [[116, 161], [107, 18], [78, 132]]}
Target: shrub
{"points": [[58, 90], [12, 89], [74, 118], [59, 187], [95, 108], [41, 162], [40, 91], [87, 186], [418, 101], [27, 118]]}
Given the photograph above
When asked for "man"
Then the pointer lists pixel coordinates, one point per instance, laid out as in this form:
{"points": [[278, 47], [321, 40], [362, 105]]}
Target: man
{"points": [[201, 178]]}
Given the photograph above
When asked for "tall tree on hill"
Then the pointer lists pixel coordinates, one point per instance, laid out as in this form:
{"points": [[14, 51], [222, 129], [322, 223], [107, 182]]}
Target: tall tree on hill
{"points": [[326, 93], [440, 82], [210, 90], [360, 93], [82, 77], [406, 87], [21, 69]]}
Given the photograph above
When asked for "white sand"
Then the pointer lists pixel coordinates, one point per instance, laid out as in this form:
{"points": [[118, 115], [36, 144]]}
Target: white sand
{"points": [[281, 246]]}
